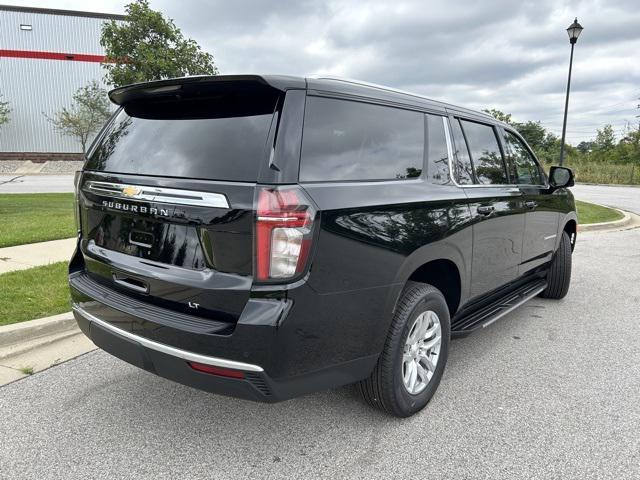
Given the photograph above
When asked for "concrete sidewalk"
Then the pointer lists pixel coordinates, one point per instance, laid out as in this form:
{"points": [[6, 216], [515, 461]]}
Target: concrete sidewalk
{"points": [[30, 255], [36, 345]]}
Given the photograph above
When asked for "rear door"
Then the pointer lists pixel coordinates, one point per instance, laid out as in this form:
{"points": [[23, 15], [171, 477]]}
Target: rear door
{"points": [[542, 208], [166, 198], [496, 207]]}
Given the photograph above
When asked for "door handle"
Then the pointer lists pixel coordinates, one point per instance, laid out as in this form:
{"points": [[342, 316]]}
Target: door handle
{"points": [[530, 204], [131, 283], [486, 209]]}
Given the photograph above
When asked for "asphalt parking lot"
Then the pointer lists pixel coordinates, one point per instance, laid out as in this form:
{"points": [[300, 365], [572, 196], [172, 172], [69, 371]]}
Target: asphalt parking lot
{"points": [[550, 391]]}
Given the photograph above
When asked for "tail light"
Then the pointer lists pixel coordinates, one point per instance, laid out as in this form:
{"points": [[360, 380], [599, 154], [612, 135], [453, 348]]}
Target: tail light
{"points": [[284, 228]]}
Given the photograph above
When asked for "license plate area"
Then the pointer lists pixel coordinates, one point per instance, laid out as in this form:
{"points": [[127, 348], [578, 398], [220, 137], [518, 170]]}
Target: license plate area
{"points": [[161, 241], [141, 239]]}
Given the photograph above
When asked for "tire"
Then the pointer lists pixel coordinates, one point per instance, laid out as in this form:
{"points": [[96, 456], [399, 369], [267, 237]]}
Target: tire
{"points": [[559, 276], [385, 389]]}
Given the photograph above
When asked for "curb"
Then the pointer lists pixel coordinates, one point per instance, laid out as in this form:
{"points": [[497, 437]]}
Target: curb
{"points": [[616, 224], [16, 333]]}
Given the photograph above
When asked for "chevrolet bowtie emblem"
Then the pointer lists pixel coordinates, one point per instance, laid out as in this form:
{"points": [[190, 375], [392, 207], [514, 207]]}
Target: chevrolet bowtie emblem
{"points": [[130, 191]]}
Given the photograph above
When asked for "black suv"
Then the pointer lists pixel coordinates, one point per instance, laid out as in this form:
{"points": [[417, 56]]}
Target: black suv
{"points": [[269, 236]]}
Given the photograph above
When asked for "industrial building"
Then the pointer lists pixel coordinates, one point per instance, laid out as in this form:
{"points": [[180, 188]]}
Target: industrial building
{"points": [[45, 56]]}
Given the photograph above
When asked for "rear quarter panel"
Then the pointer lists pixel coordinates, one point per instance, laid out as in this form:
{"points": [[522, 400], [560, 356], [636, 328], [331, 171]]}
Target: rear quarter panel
{"points": [[374, 235]]}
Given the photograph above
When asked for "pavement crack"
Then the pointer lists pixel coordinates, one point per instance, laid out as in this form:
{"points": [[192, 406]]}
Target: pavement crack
{"points": [[11, 179]]}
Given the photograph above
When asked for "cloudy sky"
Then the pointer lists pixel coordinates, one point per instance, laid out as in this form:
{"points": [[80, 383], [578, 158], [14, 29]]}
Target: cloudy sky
{"points": [[510, 55]]}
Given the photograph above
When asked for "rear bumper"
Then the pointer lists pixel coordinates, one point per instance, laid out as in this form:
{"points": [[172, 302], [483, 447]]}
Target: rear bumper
{"points": [[172, 363]]}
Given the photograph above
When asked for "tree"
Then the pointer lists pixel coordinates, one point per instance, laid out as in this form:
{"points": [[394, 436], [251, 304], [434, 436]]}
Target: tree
{"points": [[585, 147], [534, 133], [89, 111], [148, 46], [4, 112], [498, 115], [605, 140]]}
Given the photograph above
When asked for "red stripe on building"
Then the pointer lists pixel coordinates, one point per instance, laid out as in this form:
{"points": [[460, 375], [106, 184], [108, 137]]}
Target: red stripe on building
{"points": [[73, 57]]}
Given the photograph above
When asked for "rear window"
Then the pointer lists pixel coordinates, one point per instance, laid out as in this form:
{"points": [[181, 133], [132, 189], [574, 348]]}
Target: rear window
{"points": [[346, 140], [215, 138]]}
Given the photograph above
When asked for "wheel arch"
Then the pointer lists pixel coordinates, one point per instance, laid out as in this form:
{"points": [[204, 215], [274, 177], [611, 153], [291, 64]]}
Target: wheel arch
{"points": [[443, 265], [569, 224], [442, 274], [571, 228]]}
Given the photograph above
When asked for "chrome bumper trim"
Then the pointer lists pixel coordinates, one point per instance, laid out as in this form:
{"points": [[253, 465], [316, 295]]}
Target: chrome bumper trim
{"points": [[173, 351]]}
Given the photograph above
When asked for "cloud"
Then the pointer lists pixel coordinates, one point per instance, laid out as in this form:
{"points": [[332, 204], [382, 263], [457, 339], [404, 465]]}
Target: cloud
{"points": [[493, 54]]}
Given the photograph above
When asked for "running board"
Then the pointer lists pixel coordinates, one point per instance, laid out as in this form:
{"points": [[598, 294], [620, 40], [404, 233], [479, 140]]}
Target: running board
{"points": [[490, 313]]}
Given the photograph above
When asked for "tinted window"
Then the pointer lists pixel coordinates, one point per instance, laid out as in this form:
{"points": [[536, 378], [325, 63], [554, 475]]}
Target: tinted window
{"points": [[462, 164], [485, 153], [437, 153], [522, 163], [344, 140], [219, 138]]}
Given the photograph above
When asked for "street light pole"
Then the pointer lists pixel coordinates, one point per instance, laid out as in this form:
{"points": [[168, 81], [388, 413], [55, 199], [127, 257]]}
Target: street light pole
{"points": [[574, 31]]}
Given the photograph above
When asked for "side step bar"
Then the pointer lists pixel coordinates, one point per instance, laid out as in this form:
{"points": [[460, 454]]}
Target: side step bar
{"points": [[488, 314]]}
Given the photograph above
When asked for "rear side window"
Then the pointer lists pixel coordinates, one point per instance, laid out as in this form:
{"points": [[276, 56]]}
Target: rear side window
{"points": [[216, 138], [462, 164], [485, 153], [437, 153], [521, 162], [346, 140]]}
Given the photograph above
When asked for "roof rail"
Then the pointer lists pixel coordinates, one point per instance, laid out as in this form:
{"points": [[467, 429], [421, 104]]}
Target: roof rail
{"points": [[394, 90]]}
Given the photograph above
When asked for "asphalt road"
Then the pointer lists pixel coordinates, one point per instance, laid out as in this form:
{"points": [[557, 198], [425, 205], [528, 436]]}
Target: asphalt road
{"points": [[36, 183], [626, 198], [550, 391]]}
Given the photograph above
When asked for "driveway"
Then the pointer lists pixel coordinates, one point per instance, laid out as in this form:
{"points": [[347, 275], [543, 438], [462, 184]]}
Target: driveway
{"points": [[550, 391]]}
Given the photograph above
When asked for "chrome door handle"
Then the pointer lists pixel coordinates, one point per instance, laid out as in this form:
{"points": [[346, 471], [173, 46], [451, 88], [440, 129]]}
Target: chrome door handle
{"points": [[486, 209]]}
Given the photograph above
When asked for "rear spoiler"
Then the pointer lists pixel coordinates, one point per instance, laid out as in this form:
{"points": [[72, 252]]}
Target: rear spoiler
{"points": [[205, 84]]}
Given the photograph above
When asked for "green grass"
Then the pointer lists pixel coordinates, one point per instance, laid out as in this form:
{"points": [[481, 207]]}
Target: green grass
{"points": [[35, 217], [33, 293], [27, 370], [591, 213]]}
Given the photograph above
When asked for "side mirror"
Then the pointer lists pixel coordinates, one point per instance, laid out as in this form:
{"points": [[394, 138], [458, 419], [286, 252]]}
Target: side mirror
{"points": [[561, 177]]}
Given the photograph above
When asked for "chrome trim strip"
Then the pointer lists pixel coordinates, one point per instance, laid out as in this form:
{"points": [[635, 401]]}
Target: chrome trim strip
{"points": [[166, 349], [549, 237], [513, 307], [447, 134], [159, 194]]}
